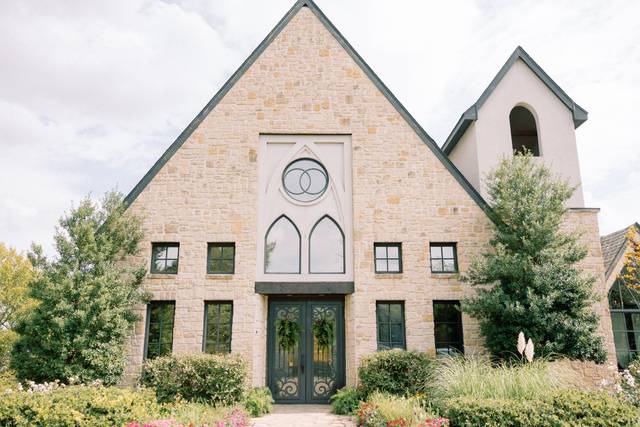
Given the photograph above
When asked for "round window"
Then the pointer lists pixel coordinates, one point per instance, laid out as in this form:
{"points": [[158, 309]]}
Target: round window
{"points": [[305, 180]]}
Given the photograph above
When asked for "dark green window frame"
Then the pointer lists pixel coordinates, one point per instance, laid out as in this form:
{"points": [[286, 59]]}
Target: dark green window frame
{"points": [[390, 318], [447, 327], [217, 331], [159, 329], [160, 254], [382, 259], [441, 262], [221, 258]]}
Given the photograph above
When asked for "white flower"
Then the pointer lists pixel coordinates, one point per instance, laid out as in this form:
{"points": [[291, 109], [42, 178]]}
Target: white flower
{"points": [[528, 350], [521, 343]]}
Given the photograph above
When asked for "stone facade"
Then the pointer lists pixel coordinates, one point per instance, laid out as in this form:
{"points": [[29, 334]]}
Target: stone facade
{"points": [[305, 82]]}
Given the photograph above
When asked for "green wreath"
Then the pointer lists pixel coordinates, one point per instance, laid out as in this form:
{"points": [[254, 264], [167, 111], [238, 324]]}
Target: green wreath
{"points": [[324, 331], [288, 331]]}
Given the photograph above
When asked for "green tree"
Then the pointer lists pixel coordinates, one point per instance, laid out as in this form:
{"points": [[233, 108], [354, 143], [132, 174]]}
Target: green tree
{"points": [[528, 281], [86, 297], [16, 273]]}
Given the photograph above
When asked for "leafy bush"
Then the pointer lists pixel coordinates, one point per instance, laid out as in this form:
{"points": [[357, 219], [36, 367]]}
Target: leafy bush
{"points": [[258, 401], [206, 378], [399, 372], [386, 410], [567, 407], [196, 415], [346, 400], [477, 378], [52, 405]]}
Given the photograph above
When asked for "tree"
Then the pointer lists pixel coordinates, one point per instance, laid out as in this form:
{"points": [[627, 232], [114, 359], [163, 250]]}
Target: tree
{"points": [[528, 280], [86, 297], [630, 274], [16, 273]]}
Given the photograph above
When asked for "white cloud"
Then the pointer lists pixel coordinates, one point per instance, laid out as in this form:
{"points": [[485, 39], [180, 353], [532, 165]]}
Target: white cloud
{"points": [[92, 92]]}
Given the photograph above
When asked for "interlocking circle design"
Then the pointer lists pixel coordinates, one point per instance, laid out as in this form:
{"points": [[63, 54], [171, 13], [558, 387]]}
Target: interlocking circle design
{"points": [[305, 180]]}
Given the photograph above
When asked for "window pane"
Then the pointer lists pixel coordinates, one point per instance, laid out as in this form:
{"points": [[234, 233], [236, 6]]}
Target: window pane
{"points": [[326, 248], [381, 251], [228, 252], [449, 265], [215, 252], [382, 313], [397, 335], [172, 266], [447, 251], [160, 330], [159, 252], [159, 265], [618, 322], [436, 252], [436, 265], [395, 313], [282, 248], [394, 265], [172, 252], [381, 265], [447, 321], [392, 252], [383, 332], [219, 319]]}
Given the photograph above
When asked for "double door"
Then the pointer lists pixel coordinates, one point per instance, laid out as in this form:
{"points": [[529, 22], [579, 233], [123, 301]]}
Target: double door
{"points": [[305, 349]]}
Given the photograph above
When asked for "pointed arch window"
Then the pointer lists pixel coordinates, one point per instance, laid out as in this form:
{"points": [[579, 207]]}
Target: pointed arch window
{"points": [[524, 132], [282, 247], [624, 304], [326, 247]]}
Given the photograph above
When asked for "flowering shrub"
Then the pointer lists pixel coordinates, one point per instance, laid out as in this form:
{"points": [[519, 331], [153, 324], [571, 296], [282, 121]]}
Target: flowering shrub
{"points": [[233, 418], [258, 401], [384, 410], [626, 384], [54, 404]]}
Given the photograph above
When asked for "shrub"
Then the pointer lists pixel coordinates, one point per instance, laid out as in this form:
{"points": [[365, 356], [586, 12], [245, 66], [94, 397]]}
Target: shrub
{"points": [[476, 377], [206, 378], [346, 400], [627, 384], [258, 401], [567, 407], [399, 372], [386, 410], [196, 415], [74, 406]]}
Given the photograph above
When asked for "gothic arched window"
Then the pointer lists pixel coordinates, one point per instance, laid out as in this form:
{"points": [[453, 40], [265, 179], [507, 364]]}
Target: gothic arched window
{"points": [[524, 132], [326, 247], [282, 247]]}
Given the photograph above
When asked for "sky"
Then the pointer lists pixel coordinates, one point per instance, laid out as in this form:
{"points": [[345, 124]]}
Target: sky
{"points": [[92, 92]]}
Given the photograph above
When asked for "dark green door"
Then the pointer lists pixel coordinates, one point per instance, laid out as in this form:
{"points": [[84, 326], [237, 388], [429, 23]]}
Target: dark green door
{"points": [[310, 367]]}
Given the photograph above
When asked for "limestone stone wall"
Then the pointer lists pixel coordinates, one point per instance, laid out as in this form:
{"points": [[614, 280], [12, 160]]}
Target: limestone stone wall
{"points": [[306, 83]]}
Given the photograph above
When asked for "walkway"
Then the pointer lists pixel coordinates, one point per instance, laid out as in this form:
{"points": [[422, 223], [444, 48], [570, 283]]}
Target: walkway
{"points": [[303, 416]]}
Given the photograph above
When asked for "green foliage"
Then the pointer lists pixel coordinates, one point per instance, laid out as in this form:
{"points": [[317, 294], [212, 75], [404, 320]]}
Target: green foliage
{"points": [[258, 401], [76, 406], [197, 414], [528, 281], [324, 331], [384, 410], [16, 274], [562, 408], [288, 332], [207, 378], [86, 297], [399, 372], [477, 378], [346, 400]]}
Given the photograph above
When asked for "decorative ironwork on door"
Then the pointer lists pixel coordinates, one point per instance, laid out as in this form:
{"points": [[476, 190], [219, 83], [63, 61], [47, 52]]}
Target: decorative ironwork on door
{"points": [[306, 350]]}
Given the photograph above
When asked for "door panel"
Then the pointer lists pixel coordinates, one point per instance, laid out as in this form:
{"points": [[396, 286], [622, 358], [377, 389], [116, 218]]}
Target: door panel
{"points": [[287, 379], [314, 369]]}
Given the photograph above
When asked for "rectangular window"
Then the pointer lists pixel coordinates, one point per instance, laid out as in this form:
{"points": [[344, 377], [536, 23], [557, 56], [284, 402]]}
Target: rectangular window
{"points": [[390, 321], [221, 258], [160, 315], [444, 258], [388, 257], [164, 258], [447, 320], [218, 318]]}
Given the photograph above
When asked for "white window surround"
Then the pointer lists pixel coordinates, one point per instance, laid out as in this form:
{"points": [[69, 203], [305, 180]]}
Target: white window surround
{"points": [[333, 152]]}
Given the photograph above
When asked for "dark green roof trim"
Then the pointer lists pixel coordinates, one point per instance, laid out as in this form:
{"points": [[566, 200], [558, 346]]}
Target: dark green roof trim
{"points": [[579, 113], [357, 58], [304, 288]]}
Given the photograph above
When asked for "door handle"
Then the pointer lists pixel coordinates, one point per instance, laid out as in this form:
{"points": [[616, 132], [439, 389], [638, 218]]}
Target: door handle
{"points": [[302, 363]]}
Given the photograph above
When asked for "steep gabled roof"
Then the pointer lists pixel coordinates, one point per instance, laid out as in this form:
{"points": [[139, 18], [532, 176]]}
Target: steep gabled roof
{"points": [[469, 116], [614, 246], [356, 57]]}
